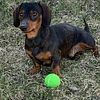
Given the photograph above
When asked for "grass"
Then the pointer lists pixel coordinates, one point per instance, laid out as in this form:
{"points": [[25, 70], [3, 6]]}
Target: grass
{"points": [[81, 78]]}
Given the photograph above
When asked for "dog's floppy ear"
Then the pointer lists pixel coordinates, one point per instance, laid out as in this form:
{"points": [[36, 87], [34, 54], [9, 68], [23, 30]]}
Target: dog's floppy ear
{"points": [[46, 15], [16, 20]]}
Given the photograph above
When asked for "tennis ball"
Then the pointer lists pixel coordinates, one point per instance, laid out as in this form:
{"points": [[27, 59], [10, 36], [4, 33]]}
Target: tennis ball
{"points": [[52, 80]]}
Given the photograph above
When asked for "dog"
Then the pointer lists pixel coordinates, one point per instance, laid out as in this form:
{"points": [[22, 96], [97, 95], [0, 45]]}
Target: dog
{"points": [[47, 44]]}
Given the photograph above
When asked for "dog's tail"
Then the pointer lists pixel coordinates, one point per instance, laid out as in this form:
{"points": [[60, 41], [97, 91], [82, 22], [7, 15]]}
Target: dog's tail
{"points": [[86, 28]]}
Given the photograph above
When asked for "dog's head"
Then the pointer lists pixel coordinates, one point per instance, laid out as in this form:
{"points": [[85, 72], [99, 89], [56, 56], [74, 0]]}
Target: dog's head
{"points": [[29, 17]]}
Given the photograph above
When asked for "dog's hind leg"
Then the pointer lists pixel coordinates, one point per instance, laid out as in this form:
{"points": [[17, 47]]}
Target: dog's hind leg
{"points": [[79, 48]]}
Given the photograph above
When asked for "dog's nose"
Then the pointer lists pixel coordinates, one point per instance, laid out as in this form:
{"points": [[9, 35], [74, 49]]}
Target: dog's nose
{"points": [[23, 28], [23, 25]]}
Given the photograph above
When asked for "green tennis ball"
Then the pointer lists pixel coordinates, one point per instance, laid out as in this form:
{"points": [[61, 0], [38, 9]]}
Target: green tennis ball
{"points": [[52, 80]]}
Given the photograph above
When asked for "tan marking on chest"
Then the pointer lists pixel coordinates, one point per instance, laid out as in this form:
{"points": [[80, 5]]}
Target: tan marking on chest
{"points": [[44, 56]]}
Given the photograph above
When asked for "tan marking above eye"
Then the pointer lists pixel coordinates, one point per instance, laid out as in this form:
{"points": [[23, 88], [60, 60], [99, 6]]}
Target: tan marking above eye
{"points": [[21, 12]]}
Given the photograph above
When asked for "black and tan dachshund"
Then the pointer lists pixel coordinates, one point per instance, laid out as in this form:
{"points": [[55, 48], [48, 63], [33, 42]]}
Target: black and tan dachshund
{"points": [[46, 44]]}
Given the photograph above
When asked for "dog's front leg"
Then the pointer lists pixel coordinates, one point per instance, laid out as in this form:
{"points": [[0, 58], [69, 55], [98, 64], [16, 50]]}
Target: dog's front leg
{"points": [[37, 67], [56, 64]]}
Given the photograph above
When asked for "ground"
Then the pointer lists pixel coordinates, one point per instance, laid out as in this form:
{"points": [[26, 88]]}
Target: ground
{"points": [[81, 79]]}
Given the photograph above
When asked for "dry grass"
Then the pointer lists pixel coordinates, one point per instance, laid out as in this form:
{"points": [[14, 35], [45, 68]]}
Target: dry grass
{"points": [[81, 78]]}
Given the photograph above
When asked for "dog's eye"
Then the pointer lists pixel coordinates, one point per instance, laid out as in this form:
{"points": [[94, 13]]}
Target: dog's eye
{"points": [[21, 15], [33, 13]]}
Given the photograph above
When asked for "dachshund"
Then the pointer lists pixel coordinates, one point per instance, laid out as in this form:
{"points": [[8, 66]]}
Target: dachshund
{"points": [[47, 44]]}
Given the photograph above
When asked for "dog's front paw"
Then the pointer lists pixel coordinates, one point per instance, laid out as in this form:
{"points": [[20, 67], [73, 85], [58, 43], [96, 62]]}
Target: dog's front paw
{"points": [[56, 70]]}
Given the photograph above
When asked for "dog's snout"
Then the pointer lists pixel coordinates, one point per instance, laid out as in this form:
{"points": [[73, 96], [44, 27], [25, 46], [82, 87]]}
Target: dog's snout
{"points": [[23, 25]]}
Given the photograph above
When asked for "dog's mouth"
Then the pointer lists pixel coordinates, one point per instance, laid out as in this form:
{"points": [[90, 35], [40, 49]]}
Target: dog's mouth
{"points": [[28, 31]]}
